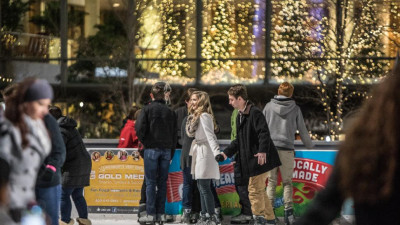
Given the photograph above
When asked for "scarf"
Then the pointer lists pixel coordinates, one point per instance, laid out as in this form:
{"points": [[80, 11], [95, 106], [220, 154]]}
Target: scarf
{"points": [[192, 124]]}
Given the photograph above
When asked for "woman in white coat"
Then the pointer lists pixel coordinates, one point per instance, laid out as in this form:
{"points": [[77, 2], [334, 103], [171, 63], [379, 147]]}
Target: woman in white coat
{"points": [[201, 125]]}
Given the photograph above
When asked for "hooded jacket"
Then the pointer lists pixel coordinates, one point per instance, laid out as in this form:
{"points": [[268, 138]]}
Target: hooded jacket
{"points": [[78, 165], [252, 137], [284, 117], [128, 138]]}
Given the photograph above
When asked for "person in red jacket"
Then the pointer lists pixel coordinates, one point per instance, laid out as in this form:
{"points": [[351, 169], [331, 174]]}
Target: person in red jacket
{"points": [[128, 138]]}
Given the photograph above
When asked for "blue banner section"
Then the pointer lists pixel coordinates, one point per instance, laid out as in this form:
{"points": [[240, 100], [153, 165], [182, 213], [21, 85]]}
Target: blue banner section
{"points": [[326, 156]]}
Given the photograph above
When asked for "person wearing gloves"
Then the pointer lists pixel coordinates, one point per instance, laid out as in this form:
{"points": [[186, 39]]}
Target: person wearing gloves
{"points": [[201, 125], [284, 118], [27, 143], [48, 183], [75, 171]]}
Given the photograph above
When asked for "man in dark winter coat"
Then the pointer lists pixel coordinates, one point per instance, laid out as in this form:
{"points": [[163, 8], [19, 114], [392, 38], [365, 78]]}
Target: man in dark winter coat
{"points": [[255, 151], [241, 183], [75, 171], [157, 131]]}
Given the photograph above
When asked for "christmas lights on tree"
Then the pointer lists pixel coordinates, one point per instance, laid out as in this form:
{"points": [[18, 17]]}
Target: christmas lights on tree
{"points": [[173, 47], [362, 39], [292, 39], [219, 39]]}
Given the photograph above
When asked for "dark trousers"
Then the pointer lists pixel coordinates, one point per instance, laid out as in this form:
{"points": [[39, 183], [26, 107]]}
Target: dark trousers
{"points": [[217, 203], [66, 205], [244, 200], [206, 196], [143, 192]]}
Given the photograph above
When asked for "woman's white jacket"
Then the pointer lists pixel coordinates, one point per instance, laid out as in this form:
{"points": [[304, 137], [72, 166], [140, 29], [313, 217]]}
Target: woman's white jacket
{"points": [[204, 149]]}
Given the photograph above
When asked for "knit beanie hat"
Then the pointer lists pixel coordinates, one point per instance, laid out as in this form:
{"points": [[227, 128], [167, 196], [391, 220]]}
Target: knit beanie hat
{"points": [[40, 89]]}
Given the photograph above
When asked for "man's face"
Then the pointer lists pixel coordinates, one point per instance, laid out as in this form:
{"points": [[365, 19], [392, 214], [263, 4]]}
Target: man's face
{"points": [[234, 102]]}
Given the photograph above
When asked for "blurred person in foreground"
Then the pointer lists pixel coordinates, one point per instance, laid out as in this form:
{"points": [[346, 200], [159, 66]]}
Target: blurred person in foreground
{"points": [[284, 118], [75, 171], [368, 163], [5, 219], [26, 143]]}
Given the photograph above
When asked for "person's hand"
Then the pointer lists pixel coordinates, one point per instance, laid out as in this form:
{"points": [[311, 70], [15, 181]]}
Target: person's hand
{"points": [[262, 158], [49, 173], [219, 158]]}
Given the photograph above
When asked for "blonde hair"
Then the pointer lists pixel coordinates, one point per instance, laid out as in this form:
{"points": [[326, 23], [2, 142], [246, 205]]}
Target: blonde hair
{"points": [[203, 106], [286, 89]]}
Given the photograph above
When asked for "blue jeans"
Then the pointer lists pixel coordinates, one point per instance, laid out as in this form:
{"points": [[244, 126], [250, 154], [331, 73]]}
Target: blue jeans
{"points": [[66, 205], [187, 188], [49, 200], [156, 166], [206, 196]]}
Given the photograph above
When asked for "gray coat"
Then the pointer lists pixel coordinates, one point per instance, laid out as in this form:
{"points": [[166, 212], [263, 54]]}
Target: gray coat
{"points": [[24, 163]]}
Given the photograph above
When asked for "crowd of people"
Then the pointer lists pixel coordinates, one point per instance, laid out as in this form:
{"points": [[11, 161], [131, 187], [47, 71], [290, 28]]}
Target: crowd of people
{"points": [[256, 153], [44, 161]]}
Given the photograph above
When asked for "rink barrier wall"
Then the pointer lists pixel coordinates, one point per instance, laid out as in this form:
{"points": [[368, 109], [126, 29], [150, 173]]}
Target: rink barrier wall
{"points": [[117, 176]]}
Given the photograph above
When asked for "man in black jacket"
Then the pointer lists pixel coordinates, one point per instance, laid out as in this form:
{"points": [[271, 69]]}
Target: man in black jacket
{"points": [[255, 151], [157, 131]]}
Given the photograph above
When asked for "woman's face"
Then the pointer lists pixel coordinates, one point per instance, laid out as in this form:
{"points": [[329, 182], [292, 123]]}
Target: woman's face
{"points": [[194, 99], [37, 109]]}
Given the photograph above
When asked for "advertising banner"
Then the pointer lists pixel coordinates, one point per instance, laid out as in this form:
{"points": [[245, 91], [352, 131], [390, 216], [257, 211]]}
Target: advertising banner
{"points": [[117, 176], [115, 181]]}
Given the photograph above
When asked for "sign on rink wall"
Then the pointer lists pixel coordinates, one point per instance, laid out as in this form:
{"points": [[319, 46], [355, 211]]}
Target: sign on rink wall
{"points": [[117, 176], [115, 181]]}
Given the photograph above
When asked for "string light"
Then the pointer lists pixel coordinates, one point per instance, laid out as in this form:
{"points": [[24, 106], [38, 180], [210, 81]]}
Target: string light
{"points": [[173, 44]]}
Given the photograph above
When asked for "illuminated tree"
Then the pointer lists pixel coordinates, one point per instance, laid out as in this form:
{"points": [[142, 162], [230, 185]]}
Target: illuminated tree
{"points": [[293, 39], [219, 39], [348, 47], [173, 42]]}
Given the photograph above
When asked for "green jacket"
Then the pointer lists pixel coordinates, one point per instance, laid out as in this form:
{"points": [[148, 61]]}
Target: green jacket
{"points": [[233, 124]]}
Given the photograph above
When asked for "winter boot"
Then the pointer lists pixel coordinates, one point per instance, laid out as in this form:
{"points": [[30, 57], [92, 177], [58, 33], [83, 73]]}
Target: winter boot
{"points": [[161, 218], [194, 217], [148, 219], [219, 213], [82, 221], [241, 219], [186, 216], [71, 222], [289, 216], [142, 210], [202, 219], [214, 220], [260, 220]]}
